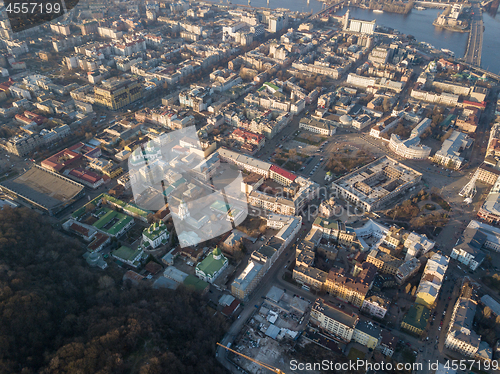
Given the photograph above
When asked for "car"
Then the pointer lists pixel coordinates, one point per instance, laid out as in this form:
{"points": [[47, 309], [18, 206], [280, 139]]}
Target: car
{"points": [[439, 328], [444, 313], [441, 323]]}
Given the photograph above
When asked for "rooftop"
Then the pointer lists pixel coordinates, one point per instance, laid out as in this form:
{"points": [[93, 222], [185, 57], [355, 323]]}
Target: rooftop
{"points": [[43, 187], [335, 313]]}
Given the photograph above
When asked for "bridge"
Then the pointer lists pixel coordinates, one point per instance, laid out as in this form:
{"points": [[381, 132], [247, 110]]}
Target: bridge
{"points": [[475, 42], [482, 71], [328, 9]]}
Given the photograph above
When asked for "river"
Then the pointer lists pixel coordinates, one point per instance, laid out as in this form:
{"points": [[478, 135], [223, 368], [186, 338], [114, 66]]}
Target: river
{"points": [[416, 23]]}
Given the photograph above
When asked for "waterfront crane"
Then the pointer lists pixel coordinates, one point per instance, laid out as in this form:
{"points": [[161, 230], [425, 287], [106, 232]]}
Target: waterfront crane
{"points": [[268, 367]]}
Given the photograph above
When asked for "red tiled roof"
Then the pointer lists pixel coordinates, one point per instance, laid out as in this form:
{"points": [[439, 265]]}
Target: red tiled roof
{"points": [[79, 229], [229, 309], [480, 105], [87, 176], [153, 267], [55, 162], [247, 135], [283, 172], [99, 239]]}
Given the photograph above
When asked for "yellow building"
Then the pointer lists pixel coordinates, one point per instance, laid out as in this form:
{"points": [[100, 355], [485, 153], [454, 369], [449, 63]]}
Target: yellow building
{"points": [[367, 334], [112, 170], [117, 93], [386, 263]]}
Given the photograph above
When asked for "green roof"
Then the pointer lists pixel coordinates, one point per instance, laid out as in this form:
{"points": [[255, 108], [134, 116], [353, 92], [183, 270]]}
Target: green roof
{"points": [[198, 284], [417, 316], [210, 265], [153, 231], [78, 213], [267, 251], [272, 86], [326, 223], [447, 121], [110, 214], [126, 253]]}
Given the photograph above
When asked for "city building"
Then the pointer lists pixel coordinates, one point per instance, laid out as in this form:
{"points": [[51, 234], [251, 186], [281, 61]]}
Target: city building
{"points": [[129, 256], [415, 320], [318, 126], [367, 334], [388, 343], [490, 210], [116, 93], [410, 148], [349, 288], [431, 281], [309, 277], [468, 250], [376, 183], [386, 263], [248, 279], [212, 266], [407, 270], [461, 337], [358, 26], [376, 305], [449, 154], [155, 235], [334, 320]]}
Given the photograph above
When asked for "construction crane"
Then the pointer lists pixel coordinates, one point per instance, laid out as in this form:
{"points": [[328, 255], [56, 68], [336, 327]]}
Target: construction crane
{"points": [[268, 367]]}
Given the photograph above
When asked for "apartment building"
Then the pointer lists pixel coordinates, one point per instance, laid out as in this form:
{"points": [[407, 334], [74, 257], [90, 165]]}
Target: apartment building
{"points": [[376, 305], [407, 270], [334, 320], [367, 334], [431, 281], [349, 288], [386, 263], [318, 126], [461, 337], [115, 94], [468, 249], [246, 282], [449, 154], [370, 186], [309, 277], [416, 319]]}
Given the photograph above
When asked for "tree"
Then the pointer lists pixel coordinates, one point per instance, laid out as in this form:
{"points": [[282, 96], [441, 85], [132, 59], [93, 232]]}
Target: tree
{"points": [[408, 288], [89, 208], [414, 290], [497, 320], [486, 312]]}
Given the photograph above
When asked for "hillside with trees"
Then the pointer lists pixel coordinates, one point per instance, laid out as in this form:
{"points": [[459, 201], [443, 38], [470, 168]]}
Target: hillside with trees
{"points": [[60, 316]]}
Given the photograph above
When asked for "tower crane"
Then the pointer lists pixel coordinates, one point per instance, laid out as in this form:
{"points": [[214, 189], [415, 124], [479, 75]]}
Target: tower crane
{"points": [[268, 367]]}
